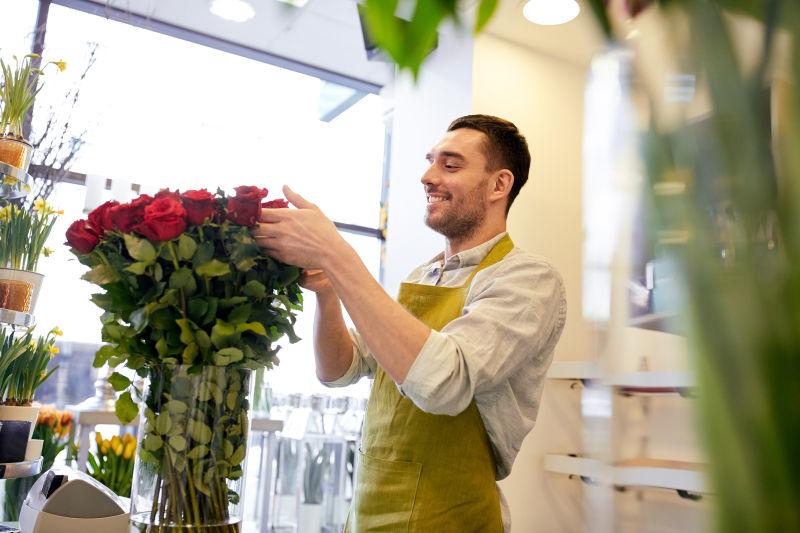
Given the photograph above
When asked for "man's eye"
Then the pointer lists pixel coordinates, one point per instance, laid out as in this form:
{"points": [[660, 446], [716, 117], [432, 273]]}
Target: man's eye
{"points": [[450, 167]]}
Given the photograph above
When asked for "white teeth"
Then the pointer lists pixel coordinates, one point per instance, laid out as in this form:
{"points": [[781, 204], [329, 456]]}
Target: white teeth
{"points": [[435, 199]]}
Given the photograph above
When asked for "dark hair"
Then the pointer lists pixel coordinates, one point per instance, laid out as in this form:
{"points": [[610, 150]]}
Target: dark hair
{"points": [[506, 147]]}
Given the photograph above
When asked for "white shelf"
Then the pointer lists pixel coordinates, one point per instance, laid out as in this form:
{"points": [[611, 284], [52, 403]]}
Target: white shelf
{"points": [[655, 473], [654, 379], [573, 370]]}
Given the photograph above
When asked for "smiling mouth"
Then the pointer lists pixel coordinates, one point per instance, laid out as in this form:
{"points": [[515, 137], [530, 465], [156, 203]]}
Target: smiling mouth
{"points": [[433, 199]]}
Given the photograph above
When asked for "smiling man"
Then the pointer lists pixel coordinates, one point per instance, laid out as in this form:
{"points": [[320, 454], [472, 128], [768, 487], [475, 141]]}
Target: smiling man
{"points": [[459, 359]]}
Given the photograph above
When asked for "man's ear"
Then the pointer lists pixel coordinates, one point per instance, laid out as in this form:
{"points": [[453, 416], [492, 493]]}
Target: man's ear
{"points": [[503, 182]]}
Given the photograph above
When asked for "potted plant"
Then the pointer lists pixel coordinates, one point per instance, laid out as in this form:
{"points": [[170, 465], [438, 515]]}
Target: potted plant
{"points": [[17, 93], [23, 368], [22, 242], [52, 430], [112, 464], [194, 305], [316, 466]]}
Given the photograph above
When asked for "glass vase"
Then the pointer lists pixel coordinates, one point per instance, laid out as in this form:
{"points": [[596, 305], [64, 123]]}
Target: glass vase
{"points": [[192, 451]]}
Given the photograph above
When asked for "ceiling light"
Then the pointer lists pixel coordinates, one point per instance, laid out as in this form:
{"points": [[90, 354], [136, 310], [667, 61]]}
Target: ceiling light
{"points": [[551, 12], [233, 10]]}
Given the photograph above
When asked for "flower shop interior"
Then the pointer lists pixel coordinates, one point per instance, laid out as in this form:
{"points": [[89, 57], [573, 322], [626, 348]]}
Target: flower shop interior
{"points": [[666, 374]]}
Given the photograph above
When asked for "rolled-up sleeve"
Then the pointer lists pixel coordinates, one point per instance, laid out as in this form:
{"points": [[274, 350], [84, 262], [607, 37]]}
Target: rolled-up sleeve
{"points": [[363, 364], [513, 317]]}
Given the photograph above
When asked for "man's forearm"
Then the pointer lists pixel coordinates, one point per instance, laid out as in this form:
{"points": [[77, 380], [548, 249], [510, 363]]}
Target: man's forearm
{"points": [[333, 349], [393, 335]]}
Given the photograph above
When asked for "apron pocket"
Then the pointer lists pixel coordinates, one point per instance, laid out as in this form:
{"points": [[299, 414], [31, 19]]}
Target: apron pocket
{"points": [[385, 494]]}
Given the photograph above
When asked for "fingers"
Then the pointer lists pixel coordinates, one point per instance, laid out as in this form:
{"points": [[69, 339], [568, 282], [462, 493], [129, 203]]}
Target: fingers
{"points": [[297, 200]]}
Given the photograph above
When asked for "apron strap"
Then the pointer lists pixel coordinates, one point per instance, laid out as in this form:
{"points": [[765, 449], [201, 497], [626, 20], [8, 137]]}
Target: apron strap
{"points": [[497, 253]]}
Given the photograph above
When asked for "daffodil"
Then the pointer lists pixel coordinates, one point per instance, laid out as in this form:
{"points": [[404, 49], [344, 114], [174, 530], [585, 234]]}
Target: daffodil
{"points": [[62, 65], [57, 331], [47, 252], [53, 349], [10, 181]]}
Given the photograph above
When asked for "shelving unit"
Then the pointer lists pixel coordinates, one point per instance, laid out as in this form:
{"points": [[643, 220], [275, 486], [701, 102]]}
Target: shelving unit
{"points": [[643, 382], [21, 469], [686, 478]]}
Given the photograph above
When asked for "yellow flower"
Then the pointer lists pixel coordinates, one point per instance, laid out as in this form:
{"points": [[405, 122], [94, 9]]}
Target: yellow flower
{"points": [[115, 441], [130, 448], [5, 213], [53, 349], [118, 449], [104, 448], [98, 438], [40, 206], [128, 438], [47, 251], [26, 188], [10, 180], [57, 331], [62, 65]]}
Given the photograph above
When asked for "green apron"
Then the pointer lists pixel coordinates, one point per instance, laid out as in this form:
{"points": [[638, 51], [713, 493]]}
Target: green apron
{"points": [[419, 471]]}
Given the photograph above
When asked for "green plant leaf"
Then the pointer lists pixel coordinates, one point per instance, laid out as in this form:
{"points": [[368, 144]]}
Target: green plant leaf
{"points": [[238, 455], [177, 443], [202, 338], [125, 408], [255, 327], [203, 254], [139, 249], [224, 334], [485, 11], [102, 274], [162, 347], [197, 308], [240, 314], [139, 319], [187, 333], [200, 432], [152, 442], [163, 422], [137, 268], [183, 278], [189, 353], [176, 407], [213, 268], [254, 289], [227, 356], [119, 382], [186, 247], [102, 355]]}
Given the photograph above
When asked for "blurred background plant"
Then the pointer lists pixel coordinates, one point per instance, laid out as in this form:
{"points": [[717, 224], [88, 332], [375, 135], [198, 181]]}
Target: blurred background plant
{"points": [[23, 364], [740, 174], [23, 234], [112, 462], [18, 91], [53, 428]]}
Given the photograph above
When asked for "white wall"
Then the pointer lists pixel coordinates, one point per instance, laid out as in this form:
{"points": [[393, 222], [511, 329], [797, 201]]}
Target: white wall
{"points": [[421, 113], [543, 96]]}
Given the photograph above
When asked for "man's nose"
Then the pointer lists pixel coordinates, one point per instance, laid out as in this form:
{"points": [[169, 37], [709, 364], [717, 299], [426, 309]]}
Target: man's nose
{"points": [[429, 177]]}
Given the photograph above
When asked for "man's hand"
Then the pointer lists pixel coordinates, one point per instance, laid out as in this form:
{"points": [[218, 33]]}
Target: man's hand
{"points": [[316, 281], [303, 237]]}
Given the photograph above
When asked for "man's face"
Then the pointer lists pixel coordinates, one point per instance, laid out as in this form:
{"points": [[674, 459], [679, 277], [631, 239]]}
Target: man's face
{"points": [[457, 184]]}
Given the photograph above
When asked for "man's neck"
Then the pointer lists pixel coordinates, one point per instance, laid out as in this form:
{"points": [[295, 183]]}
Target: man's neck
{"points": [[452, 247]]}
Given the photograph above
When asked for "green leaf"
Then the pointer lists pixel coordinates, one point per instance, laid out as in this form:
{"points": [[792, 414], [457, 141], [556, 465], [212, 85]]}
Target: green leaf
{"points": [[139, 249], [200, 432], [202, 338], [485, 11], [203, 254], [189, 353], [198, 452], [187, 333], [176, 407], [211, 314], [163, 422], [238, 455], [197, 308], [139, 319], [103, 354], [232, 301], [255, 327], [183, 279], [227, 356], [186, 247], [158, 272], [119, 382], [213, 269], [152, 442], [254, 289], [101, 275], [239, 314], [162, 347], [137, 268], [177, 443], [223, 334], [125, 408]]}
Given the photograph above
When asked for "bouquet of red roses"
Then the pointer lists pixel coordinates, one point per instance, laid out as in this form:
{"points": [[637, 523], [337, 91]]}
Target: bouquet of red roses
{"points": [[193, 303]]}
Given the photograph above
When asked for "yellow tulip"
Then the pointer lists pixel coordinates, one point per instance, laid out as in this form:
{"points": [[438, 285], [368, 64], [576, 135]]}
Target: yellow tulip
{"points": [[115, 441], [130, 448], [118, 449], [98, 438], [104, 449]]}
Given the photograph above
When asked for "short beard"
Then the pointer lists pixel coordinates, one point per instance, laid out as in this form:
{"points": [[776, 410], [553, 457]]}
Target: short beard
{"points": [[463, 219]]}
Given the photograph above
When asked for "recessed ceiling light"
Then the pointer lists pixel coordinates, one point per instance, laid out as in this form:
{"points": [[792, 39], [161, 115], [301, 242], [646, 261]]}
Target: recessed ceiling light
{"points": [[551, 12], [233, 10]]}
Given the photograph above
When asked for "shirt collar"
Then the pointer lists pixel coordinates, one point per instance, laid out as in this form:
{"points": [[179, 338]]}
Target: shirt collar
{"points": [[465, 258]]}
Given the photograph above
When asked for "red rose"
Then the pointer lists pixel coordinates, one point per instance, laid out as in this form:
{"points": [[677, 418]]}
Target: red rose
{"points": [[82, 237], [125, 217], [199, 205], [100, 218], [164, 219], [244, 208], [278, 203], [166, 193]]}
